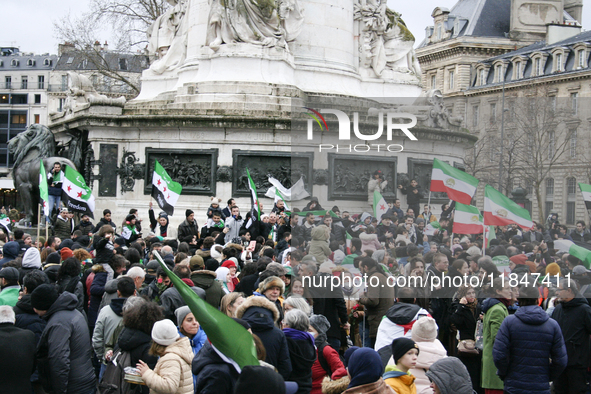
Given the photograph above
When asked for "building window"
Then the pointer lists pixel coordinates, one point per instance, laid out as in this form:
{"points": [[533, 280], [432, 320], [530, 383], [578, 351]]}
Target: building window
{"points": [[14, 63], [581, 58], [549, 187], [64, 82], [451, 80], [482, 77], [30, 62], [551, 144], [549, 205], [538, 67], [493, 113], [24, 82], [517, 70], [47, 62], [37, 99], [18, 119], [571, 186], [37, 118], [573, 144], [123, 64], [433, 81], [570, 212], [475, 115], [574, 99], [553, 102], [8, 82], [41, 82], [558, 65], [499, 72], [61, 104]]}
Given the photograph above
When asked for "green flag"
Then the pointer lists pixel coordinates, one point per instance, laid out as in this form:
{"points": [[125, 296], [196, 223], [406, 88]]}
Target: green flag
{"points": [[229, 337], [43, 190]]}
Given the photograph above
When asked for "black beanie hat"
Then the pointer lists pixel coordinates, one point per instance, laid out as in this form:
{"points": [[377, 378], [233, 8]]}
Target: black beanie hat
{"points": [[188, 212], [53, 258], [402, 345], [43, 297]]}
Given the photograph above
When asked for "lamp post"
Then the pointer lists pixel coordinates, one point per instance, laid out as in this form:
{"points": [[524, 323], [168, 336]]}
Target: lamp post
{"points": [[502, 137]]}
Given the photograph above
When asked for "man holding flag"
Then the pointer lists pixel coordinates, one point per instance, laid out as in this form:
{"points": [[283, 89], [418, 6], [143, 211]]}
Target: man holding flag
{"points": [[43, 190]]}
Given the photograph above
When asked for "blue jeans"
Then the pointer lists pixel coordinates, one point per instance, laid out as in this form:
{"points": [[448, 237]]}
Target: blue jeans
{"points": [[364, 334], [102, 372], [54, 201]]}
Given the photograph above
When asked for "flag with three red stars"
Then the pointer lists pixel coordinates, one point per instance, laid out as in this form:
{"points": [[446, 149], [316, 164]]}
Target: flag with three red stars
{"points": [[164, 190], [380, 206], [76, 196]]}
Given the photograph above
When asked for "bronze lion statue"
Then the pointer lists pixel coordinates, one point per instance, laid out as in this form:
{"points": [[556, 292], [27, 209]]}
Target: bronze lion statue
{"points": [[35, 143]]}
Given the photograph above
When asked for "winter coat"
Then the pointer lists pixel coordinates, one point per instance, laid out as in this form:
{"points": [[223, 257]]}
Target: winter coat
{"points": [[398, 323], [196, 343], [171, 300], [262, 314], [369, 242], [138, 344], [62, 228], [74, 286], [429, 352], [574, 319], [85, 227], [330, 304], [382, 229], [27, 319], [106, 323], [377, 300], [379, 387], [247, 284], [411, 197], [97, 289], [213, 289], [302, 354], [450, 376], [529, 351], [172, 374], [319, 244], [214, 375], [101, 223], [187, 229], [233, 224], [17, 359], [55, 190], [304, 231], [103, 249], [493, 318], [110, 293], [465, 320], [10, 252], [372, 186], [64, 351], [334, 363], [400, 382]]}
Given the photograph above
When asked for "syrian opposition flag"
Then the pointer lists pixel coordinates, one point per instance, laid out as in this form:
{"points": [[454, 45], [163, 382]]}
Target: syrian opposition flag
{"points": [[380, 206], [467, 220], [43, 188], [499, 210], [278, 197], [230, 340], [431, 228], [586, 190], [164, 190], [570, 247], [255, 210], [75, 194], [458, 185]]}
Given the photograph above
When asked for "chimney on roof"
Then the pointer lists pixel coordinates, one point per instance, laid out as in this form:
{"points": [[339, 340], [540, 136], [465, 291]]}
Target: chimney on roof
{"points": [[106, 47], [559, 32], [97, 46]]}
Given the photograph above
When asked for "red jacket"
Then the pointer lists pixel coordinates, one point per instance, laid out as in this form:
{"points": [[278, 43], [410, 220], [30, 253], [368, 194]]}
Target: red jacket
{"points": [[318, 373]]}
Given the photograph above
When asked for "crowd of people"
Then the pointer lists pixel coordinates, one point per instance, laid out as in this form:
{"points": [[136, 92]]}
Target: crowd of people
{"points": [[90, 308]]}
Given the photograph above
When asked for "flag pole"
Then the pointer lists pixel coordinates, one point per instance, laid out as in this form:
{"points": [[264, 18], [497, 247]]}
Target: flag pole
{"points": [[38, 220], [428, 203], [483, 239]]}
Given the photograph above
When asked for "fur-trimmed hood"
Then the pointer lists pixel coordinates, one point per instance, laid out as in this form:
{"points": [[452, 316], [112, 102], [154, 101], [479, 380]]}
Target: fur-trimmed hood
{"points": [[98, 268], [261, 304], [204, 272], [335, 386]]}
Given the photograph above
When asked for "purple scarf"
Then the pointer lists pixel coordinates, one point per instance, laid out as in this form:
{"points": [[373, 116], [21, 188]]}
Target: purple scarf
{"points": [[298, 335]]}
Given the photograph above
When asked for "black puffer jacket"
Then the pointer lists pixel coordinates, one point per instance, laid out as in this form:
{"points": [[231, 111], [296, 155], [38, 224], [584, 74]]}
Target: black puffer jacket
{"points": [[213, 289], [214, 375], [64, 351], [302, 354], [137, 343], [262, 314], [574, 319]]}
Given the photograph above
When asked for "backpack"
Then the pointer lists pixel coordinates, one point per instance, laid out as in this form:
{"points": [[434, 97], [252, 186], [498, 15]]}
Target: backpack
{"points": [[323, 362], [113, 382]]}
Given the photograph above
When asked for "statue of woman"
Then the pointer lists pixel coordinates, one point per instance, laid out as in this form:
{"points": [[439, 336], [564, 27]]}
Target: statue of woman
{"points": [[167, 37]]}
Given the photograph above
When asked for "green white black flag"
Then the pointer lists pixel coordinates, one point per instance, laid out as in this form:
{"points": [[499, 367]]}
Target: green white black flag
{"points": [[165, 191], [75, 194]]}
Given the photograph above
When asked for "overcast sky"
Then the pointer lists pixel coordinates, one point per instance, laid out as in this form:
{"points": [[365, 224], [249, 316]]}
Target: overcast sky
{"points": [[28, 24]]}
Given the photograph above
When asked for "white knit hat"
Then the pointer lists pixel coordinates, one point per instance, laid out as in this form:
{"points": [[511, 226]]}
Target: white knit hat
{"points": [[424, 330], [164, 332]]}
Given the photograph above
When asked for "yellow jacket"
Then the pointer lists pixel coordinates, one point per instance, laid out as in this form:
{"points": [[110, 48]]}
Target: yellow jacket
{"points": [[400, 382]]}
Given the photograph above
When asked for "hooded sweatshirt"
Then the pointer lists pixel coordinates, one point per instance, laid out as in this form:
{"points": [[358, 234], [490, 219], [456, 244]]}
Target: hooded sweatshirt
{"points": [[10, 252], [450, 376], [106, 324]]}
